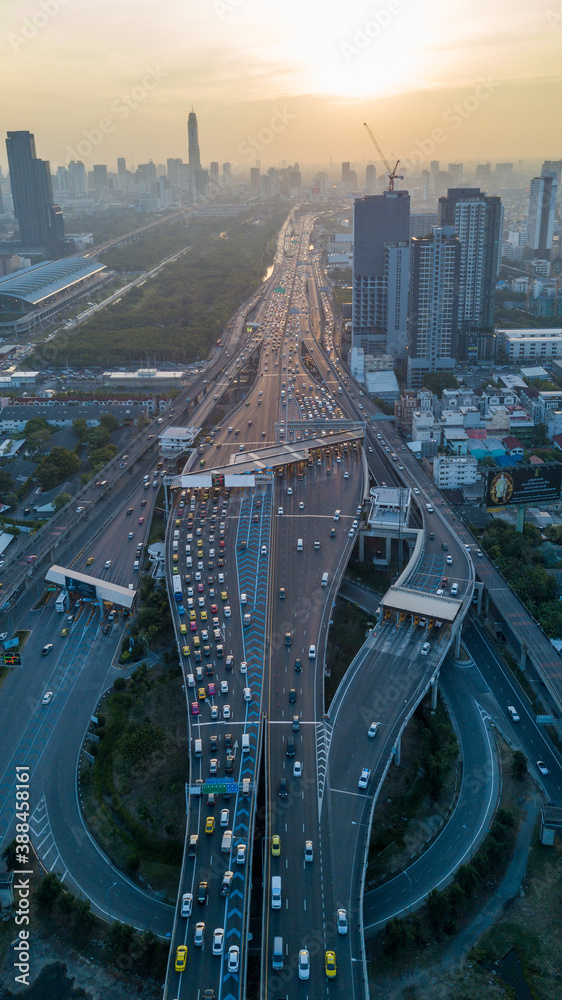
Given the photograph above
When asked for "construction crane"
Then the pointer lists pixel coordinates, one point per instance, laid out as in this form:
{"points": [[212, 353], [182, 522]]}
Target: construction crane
{"points": [[392, 175]]}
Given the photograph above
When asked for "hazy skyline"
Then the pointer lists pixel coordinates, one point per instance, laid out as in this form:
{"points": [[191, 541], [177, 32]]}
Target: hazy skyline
{"points": [[433, 80]]}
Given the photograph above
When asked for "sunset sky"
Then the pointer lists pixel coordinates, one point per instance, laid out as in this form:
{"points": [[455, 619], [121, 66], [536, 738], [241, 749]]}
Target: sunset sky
{"points": [[316, 70]]}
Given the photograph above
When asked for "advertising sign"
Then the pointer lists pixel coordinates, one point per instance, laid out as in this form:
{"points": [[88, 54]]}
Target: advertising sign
{"points": [[80, 587], [528, 486]]}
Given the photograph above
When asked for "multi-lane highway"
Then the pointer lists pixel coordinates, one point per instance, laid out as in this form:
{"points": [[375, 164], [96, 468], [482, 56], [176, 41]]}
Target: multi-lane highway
{"points": [[276, 803]]}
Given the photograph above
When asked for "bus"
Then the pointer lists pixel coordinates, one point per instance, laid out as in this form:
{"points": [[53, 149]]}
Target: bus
{"points": [[61, 603], [176, 581]]}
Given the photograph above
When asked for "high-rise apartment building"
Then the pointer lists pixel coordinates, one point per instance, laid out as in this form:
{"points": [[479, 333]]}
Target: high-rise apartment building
{"points": [[370, 178], [540, 220], [40, 221], [477, 221], [435, 270], [121, 166], [455, 173], [100, 179], [77, 178], [255, 180], [214, 174], [381, 227], [348, 175]]}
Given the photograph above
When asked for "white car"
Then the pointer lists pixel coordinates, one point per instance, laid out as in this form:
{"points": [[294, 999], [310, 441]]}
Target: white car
{"points": [[304, 964], [233, 958], [542, 767], [224, 687], [425, 649], [227, 611], [247, 694], [364, 778], [243, 667], [186, 904], [264, 550], [240, 854], [279, 510], [297, 769], [346, 475], [308, 851], [218, 940], [301, 505], [416, 491], [243, 598], [341, 921], [312, 652], [513, 713], [226, 711], [225, 817], [107, 563], [199, 935], [373, 730], [289, 492], [46, 697]]}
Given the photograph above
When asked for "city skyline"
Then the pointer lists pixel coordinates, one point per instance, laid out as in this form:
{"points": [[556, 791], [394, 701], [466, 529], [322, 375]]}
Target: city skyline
{"points": [[481, 89]]}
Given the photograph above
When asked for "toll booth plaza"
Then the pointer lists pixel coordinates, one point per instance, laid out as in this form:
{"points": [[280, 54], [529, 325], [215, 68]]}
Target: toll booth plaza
{"points": [[420, 607], [90, 588]]}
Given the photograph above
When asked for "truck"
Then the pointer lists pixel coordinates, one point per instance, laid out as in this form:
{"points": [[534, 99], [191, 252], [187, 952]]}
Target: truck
{"points": [[61, 603], [176, 582]]}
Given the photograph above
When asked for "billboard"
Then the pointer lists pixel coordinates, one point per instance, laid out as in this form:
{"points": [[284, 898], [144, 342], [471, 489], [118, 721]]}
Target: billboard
{"points": [[528, 486], [80, 587]]}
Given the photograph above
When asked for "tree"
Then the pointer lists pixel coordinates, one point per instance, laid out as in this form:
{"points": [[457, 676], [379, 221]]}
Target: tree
{"points": [[57, 466], [61, 500], [49, 891], [540, 435], [109, 422], [80, 428], [437, 381], [6, 485], [36, 424], [97, 436]]}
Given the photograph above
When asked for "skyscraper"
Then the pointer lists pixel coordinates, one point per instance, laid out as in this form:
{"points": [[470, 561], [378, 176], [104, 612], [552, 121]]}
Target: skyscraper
{"points": [[194, 155], [381, 226], [40, 221], [371, 178], [477, 221], [434, 304], [540, 221]]}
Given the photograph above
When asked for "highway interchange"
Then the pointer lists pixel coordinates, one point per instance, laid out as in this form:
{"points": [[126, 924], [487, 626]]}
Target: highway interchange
{"points": [[245, 559]]}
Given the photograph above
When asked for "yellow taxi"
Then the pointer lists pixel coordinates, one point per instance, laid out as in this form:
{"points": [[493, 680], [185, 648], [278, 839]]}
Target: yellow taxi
{"points": [[276, 845], [175, 557], [201, 694], [181, 958], [64, 631], [196, 642], [183, 628], [185, 650], [178, 522], [192, 615], [203, 616], [224, 595], [89, 561], [330, 964], [209, 824]]}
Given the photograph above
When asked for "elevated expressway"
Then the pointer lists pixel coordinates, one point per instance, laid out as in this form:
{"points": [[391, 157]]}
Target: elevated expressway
{"points": [[389, 679]]}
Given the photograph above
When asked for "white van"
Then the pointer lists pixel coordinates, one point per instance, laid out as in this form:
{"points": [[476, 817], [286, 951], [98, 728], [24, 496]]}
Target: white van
{"points": [[188, 562], [276, 892], [198, 748], [190, 681], [175, 545], [299, 544], [337, 515], [245, 742], [226, 843], [136, 564], [325, 578], [277, 960]]}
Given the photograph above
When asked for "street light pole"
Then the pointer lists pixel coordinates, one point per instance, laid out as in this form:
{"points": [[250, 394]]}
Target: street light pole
{"points": [[107, 898], [410, 881]]}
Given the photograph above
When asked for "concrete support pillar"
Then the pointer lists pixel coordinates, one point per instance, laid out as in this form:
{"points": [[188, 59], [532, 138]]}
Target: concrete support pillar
{"points": [[457, 644], [361, 546], [397, 751], [434, 690], [523, 658], [520, 522], [388, 549]]}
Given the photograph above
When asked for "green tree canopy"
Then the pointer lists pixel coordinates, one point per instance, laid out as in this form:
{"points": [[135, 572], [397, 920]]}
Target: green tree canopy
{"points": [[62, 500], [437, 381], [109, 422], [80, 428], [36, 424], [57, 466], [6, 485]]}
